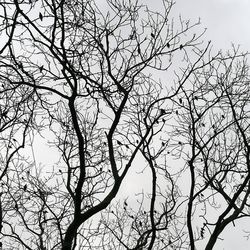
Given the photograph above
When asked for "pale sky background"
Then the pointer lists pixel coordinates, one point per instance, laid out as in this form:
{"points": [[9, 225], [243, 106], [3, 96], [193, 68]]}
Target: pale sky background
{"points": [[227, 22]]}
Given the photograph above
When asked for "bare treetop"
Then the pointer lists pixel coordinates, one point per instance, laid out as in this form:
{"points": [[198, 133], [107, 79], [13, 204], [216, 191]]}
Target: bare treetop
{"points": [[108, 88]]}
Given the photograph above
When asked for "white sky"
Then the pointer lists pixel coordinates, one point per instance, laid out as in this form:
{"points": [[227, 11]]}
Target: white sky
{"points": [[226, 21]]}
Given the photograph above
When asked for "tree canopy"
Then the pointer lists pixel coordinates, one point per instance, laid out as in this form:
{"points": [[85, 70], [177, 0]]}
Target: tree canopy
{"points": [[120, 128]]}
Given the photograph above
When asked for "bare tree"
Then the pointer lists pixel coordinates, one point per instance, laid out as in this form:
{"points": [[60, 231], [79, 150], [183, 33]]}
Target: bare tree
{"points": [[97, 83], [213, 126]]}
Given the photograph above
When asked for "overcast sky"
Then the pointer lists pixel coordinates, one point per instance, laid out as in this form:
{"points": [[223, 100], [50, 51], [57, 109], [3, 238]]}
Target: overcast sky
{"points": [[226, 21]]}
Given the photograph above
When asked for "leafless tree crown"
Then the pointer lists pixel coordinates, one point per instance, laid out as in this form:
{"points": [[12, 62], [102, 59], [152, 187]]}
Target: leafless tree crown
{"points": [[97, 97]]}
